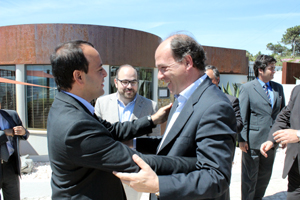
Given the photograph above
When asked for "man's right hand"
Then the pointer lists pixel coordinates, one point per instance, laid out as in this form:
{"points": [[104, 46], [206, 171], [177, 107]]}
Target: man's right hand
{"points": [[244, 146], [9, 132], [266, 146], [161, 115]]}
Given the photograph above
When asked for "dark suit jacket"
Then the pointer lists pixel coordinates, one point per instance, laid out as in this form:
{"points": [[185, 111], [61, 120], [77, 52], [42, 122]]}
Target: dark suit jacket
{"points": [[13, 119], [257, 113], [236, 107], [83, 152], [205, 128], [289, 117]]}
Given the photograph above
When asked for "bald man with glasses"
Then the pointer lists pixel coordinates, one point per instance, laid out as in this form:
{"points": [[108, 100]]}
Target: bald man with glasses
{"points": [[126, 105]]}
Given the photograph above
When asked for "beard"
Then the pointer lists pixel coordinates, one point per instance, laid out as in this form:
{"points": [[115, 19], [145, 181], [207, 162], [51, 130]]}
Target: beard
{"points": [[128, 93]]}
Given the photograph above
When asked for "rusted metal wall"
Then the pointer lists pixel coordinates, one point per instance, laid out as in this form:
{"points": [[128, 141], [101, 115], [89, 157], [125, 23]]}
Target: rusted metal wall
{"points": [[228, 61], [33, 44], [289, 70]]}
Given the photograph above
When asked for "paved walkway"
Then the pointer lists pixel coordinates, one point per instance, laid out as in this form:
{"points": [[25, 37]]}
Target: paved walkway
{"points": [[41, 190]]}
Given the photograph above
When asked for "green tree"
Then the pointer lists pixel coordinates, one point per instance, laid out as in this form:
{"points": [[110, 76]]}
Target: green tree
{"points": [[258, 54], [277, 48], [292, 36], [250, 56]]}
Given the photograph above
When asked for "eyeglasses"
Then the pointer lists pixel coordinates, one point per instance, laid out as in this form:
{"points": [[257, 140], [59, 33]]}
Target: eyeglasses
{"points": [[127, 82]]}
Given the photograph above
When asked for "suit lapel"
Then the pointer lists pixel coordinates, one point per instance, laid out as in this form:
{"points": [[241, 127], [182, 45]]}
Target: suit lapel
{"points": [[8, 118], [137, 110], [15, 140], [258, 88], [185, 113]]}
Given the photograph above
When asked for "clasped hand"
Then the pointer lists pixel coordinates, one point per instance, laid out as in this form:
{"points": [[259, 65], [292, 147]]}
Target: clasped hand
{"points": [[17, 130], [145, 180]]}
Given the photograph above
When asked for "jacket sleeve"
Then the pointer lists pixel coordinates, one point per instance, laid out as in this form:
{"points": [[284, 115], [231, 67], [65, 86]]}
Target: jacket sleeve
{"points": [[245, 113], [89, 144], [215, 141], [283, 118], [239, 121]]}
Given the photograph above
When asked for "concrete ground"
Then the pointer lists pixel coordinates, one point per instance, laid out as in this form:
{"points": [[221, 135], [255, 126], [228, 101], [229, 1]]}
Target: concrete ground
{"points": [[39, 189]]}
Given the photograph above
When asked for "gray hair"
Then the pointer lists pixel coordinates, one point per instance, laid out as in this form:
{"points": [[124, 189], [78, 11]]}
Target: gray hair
{"points": [[214, 69]]}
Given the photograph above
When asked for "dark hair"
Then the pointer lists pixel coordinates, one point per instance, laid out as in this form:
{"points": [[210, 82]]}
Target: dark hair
{"points": [[214, 69], [183, 45], [67, 58], [126, 65], [261, 62]]}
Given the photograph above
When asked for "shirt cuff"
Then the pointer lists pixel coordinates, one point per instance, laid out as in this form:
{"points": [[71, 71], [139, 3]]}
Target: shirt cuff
{"points": [[134, 143]]}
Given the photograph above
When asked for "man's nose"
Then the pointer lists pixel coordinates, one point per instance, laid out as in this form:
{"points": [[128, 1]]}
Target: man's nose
{"points": [[160, 75]]}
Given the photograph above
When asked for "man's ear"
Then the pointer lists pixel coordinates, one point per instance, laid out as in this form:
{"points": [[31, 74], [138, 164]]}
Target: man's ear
{"points": [[116, 82], [77, 76], [189, 62]]}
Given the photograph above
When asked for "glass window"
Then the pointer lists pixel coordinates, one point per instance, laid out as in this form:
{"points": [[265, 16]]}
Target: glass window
{"points": [[7, 89], [145, 81], [39, 99]]}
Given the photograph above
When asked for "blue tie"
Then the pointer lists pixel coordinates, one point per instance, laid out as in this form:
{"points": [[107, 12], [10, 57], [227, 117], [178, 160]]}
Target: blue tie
{"points": [[267, 92]]}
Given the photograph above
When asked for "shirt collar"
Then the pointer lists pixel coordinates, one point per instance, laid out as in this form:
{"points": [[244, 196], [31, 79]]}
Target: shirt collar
{"points": [[83, 101], [187, 92], [263, 83]]}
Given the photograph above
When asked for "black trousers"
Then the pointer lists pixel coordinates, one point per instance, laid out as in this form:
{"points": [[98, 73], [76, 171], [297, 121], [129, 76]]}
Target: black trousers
{"points": [[256, 173], [293, 192], [10, 182]]}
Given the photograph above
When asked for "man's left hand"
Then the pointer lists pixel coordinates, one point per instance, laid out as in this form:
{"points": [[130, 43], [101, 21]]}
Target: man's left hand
{"points": [[161, 115], [19, 130], [145, 180], [286, 136]]}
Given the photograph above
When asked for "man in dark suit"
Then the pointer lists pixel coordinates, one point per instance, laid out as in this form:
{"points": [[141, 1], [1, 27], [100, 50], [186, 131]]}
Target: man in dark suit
{"points": [[10, 134], [286, 130], [260, 101], [201, 123], [214, 74], [84, 150]]}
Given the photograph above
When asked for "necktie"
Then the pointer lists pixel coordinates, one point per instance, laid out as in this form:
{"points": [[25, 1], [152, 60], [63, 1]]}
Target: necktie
{"points": [[267, 93]]}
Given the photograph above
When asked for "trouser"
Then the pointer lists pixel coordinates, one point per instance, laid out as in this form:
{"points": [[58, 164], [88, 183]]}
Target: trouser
{"points": [[293, 192], [10, 183], [256, 173]]}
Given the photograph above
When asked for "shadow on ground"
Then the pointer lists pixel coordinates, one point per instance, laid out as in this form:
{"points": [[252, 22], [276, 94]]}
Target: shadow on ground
{"points": [[278, 196]]}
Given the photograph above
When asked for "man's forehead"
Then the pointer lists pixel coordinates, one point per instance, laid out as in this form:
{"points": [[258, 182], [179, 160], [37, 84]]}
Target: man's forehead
{"points": [[127, 71]]}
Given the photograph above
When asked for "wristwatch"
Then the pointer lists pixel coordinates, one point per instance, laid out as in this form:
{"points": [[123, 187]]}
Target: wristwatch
{"points": [[150, 120]]}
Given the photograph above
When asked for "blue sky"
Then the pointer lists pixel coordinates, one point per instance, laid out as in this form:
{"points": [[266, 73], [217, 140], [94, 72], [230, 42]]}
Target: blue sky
{"points": [[238, 24]]}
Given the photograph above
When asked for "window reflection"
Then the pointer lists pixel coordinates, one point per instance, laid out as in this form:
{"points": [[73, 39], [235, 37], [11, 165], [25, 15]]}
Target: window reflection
{"points": [[39, 99], [8, 90]]}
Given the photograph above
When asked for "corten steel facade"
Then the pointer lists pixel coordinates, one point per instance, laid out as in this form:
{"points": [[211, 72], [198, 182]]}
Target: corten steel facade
{"points": [[289, 72], [24, 56], [32, 44], [26, 81], [25, 52]]}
